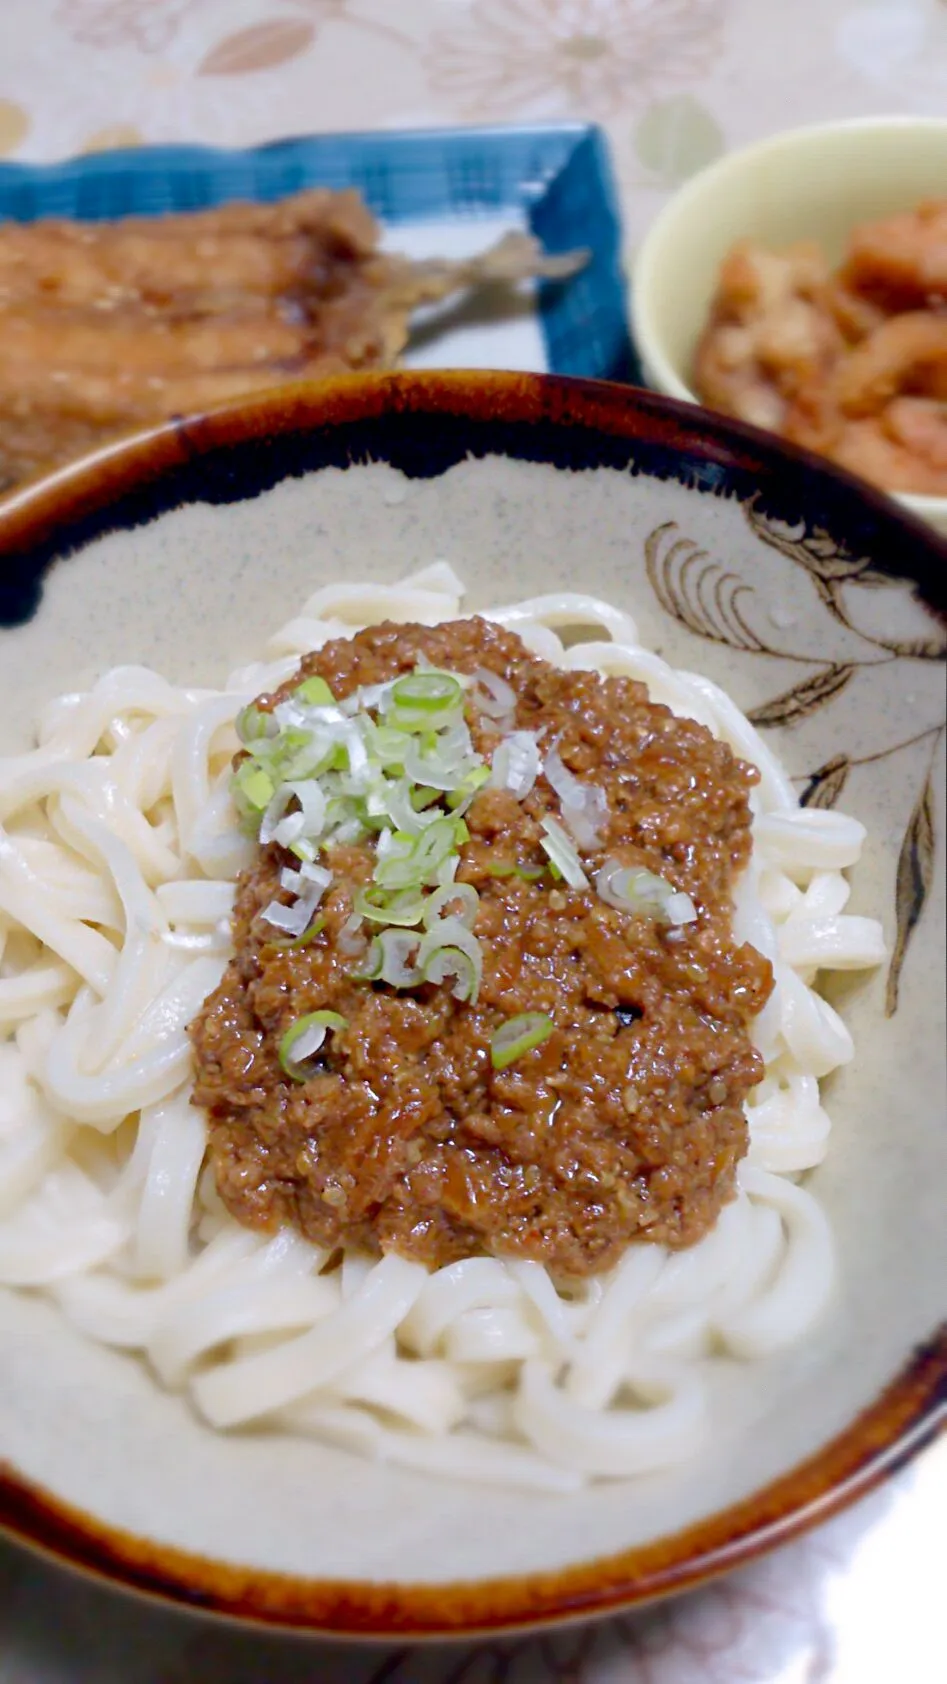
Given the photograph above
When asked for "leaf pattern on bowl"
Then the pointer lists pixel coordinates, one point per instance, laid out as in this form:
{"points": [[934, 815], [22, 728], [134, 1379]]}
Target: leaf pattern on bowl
{"points": [[826, 783], [830, 566], [915, 875], [713, 602], [803, 699], [697, 591]]}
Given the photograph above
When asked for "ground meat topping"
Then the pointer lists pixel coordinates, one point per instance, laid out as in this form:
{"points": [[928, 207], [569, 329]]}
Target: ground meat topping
{"points": [[625, 1124]]}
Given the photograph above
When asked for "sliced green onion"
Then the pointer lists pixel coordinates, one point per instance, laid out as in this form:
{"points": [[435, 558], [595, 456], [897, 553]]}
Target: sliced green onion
{"points": [[562, 852], [315, 693], [387, 959], [494, 696], [387, 745], [421, 797], [431, 692], [303, 1040], [364, 811], [296, 753], [417, 863], [291, 740], [502, 868], [307, 936], [473, 781], [312, 805], [442, 765], [442, 952], [518, 1035], [402, 814], [451, 893], [680, 909], [397, 947], [404, 907], [351, 937], [516, 764], [252, 725], [452, 962], [641, 892], [252, 788], [418, 722], [344, 821], [370, 969], [584, 806]]}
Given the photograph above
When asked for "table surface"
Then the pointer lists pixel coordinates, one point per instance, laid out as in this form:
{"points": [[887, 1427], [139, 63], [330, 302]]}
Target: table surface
{"points": [[674, 82]]}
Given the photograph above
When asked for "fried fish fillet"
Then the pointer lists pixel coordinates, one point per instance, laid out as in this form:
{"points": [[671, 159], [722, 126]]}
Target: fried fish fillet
{"points": [[109, 326]]}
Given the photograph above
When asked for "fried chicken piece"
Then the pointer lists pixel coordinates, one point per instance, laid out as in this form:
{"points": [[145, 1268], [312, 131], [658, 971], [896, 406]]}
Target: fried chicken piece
{"points": [[900, 263], [769, 333], [907, 353], [902, 449], [854, 316], [852, 365]]}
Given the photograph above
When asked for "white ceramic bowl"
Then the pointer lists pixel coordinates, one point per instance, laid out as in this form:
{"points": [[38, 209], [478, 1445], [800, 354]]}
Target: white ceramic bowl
{"points": [[808, 184], [814, 601]]}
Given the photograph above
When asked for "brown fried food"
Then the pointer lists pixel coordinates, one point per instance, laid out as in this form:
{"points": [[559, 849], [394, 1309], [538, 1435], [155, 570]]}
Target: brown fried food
{"points": [[852, 365], [769, 335], [854, 315], [111, 326], [232, 251], [907, 353], [896, 455], [901, 262], [920, 424]]}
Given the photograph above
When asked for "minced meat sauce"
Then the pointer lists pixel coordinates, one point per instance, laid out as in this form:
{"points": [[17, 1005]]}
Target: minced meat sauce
{"points": [[626, 1124]]}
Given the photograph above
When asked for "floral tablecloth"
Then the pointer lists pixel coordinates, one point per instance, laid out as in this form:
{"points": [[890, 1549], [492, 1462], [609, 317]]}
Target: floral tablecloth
{"points": [[675, 82]]}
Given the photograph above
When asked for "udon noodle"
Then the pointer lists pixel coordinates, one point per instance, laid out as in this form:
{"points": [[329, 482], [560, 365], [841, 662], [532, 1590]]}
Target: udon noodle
{"points": [[119, 849]]}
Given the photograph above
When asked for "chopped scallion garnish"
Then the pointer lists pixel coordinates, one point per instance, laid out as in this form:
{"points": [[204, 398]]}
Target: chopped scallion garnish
{"points": [[317, 925], [632, 889], [451, 950], [401, 907], [253, 788], [518, 1035], [453, 894], [303, 1039], [314, 693], [506, 868], [562, 852], [252, 725], [430, 692]]}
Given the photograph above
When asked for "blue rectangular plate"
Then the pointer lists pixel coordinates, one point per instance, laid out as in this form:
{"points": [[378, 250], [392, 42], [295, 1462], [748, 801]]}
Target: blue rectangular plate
{"points": [[555, 177]]}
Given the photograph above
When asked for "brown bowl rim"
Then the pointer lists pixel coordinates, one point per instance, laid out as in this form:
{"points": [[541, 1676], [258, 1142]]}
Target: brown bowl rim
{"points": [[907, 1415]]}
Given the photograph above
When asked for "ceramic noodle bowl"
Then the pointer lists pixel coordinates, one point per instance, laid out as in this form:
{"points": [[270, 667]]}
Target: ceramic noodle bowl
{"points": [[818, 607]]}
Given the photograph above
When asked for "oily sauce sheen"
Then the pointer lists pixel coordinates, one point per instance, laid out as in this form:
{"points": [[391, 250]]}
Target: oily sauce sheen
{"points": [[626, 1124]]}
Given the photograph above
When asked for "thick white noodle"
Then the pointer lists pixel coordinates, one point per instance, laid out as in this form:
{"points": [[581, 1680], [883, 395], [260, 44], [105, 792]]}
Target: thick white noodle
{"points": [[118, 854]]}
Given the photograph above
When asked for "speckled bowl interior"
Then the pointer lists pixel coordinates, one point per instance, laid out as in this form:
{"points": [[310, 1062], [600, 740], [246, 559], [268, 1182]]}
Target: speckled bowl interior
{"points": [[183, 550]]}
